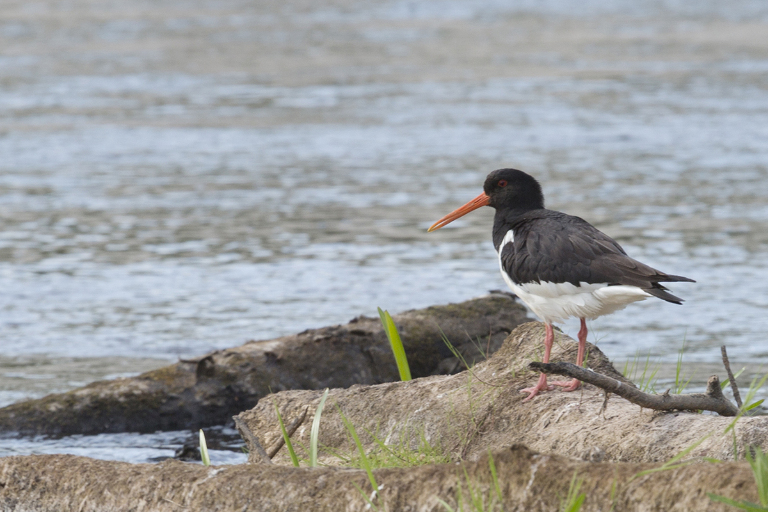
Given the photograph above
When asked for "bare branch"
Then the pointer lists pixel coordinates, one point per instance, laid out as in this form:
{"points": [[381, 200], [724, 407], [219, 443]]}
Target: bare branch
{"points": [[290, 431], [257, 451], [731, 378], [713, 400]]}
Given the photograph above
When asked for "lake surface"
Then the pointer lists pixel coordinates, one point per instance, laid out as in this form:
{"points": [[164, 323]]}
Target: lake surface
{"points": [[183, 176]]}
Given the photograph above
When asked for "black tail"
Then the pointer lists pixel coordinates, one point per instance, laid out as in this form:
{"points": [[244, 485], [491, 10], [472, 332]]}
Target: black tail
{"points": [[675, 279], [662, 293], [659, 291]]}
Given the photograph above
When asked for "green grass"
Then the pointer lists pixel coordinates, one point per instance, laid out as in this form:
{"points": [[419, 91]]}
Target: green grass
{"points": [[364, 462], [286, 438], [399, 454], [748, 404], [759, 464], [645, 376], [390, 329], [647, 380], [204, 450], [725, 383], [675, 462], [681, 384], [315, 432], [475, 499], [575, 499]]}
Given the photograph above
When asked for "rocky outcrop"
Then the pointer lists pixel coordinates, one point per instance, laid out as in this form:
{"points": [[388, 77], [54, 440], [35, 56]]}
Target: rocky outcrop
{"points": [[209, 390], [527, 482], [609, 446], [474, 411]]}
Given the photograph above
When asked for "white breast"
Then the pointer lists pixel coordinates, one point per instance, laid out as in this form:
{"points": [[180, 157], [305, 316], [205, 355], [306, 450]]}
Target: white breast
{"points": [[556, 302]]}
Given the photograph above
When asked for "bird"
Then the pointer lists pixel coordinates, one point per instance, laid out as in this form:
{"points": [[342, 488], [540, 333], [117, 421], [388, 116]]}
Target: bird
{"points": [[559, 265]]}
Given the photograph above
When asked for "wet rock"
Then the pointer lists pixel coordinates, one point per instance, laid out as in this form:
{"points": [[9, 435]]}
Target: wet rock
{"points": [[188, 451], [209, 390], [527, 481], [471, 412]]}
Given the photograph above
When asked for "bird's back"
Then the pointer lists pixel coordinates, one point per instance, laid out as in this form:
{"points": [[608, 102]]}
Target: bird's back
{"points": [[553, 247]]}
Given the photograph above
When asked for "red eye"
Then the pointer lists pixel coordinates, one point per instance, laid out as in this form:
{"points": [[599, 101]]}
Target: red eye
{"points": [[502, 183]]}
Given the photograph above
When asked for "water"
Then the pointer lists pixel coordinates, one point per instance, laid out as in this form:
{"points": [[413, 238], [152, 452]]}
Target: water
{"points": [[177, 177]]}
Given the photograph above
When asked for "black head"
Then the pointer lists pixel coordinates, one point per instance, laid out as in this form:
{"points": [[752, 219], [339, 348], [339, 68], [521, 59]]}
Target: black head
{"points": [[508, 189], [513, 189]]}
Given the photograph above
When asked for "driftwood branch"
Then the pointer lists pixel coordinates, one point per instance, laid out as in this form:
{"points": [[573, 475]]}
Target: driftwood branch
{"points": [[252, 441], [731, 378], [712, 400], [290, 431]]}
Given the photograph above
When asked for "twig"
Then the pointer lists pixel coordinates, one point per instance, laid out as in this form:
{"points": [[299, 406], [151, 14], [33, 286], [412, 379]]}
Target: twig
{"points": [[731, 378], [253, 442], [606, 396], [713, 400], [292, 428], [171, 501]]}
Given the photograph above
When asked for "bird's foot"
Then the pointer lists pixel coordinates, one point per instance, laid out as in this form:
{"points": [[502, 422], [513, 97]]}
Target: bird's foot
{"points": [[540, 386], [568, 385]]}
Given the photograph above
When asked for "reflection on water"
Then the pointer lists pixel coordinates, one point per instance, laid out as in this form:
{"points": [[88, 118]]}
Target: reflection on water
{"points": [[182, 178], [224, 446]]}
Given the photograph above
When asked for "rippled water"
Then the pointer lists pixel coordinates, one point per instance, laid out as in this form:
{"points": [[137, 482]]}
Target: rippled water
{"points": [[177, 177]]}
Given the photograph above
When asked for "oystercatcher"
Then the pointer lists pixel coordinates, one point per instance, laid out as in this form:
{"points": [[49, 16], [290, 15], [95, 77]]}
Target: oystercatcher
{"points": [[559, 265]]}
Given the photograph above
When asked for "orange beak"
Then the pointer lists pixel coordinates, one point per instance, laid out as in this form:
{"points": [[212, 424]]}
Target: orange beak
{"points": [[481, 200]]}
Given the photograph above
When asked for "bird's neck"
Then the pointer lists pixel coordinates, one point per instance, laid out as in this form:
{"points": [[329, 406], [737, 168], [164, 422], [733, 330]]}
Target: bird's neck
{"points": [[506, 220]]}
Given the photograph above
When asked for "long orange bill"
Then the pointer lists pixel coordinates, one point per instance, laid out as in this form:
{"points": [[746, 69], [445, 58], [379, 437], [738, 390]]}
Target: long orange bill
{"points": [[481, 200]]}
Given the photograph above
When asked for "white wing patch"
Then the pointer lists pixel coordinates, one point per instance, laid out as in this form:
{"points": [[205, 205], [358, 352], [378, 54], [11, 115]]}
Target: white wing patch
{"points": [[509, 238], [556, 302]]}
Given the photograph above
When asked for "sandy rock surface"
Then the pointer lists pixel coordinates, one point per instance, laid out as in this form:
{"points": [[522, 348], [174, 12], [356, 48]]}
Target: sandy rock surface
{"points": [[469, 413], [527, 482]]}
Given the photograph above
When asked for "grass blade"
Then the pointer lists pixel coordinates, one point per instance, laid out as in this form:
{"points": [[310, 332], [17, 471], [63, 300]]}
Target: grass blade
{"points": [[370, 503], [743, 505], [315, 433], [390, 329], [495, 476], [363, 457], [204, 450], [286, 438], [574, 501], [759, 464], [748, 403], [673, 462], [680, 384]]}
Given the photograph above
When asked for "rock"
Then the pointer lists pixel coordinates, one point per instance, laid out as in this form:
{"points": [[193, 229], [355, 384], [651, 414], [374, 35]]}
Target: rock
{"points": [[209, 390], [474, 411], [527, 481]]}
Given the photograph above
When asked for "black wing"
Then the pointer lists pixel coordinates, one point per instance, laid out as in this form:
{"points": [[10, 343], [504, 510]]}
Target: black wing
{"points": [[560, 248]]}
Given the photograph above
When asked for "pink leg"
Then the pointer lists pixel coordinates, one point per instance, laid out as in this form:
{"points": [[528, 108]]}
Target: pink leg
{"points": [[549, 338], [573, 385]]}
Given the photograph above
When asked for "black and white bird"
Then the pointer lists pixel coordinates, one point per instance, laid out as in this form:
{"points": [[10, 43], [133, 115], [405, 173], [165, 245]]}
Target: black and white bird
{"points": [[559, 265]]}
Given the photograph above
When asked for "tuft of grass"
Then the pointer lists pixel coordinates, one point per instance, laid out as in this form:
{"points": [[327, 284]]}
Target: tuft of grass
{"points": [[458, 355], [575, 499], [647, 380], [476, 499], [680, 383], [315, 432], [364, 461], [399, 454], [390, 329], [748, 403], [674, 462], [286, 437], [759, 464], [725, 383], [204, 450]]}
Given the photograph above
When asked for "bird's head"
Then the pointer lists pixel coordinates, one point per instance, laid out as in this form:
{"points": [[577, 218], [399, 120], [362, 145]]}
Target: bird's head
{"points": [[503, 189]]}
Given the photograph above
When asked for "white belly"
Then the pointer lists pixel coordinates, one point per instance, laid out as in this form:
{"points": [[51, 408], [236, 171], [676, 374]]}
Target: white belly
{"points": [[556, 302]]}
